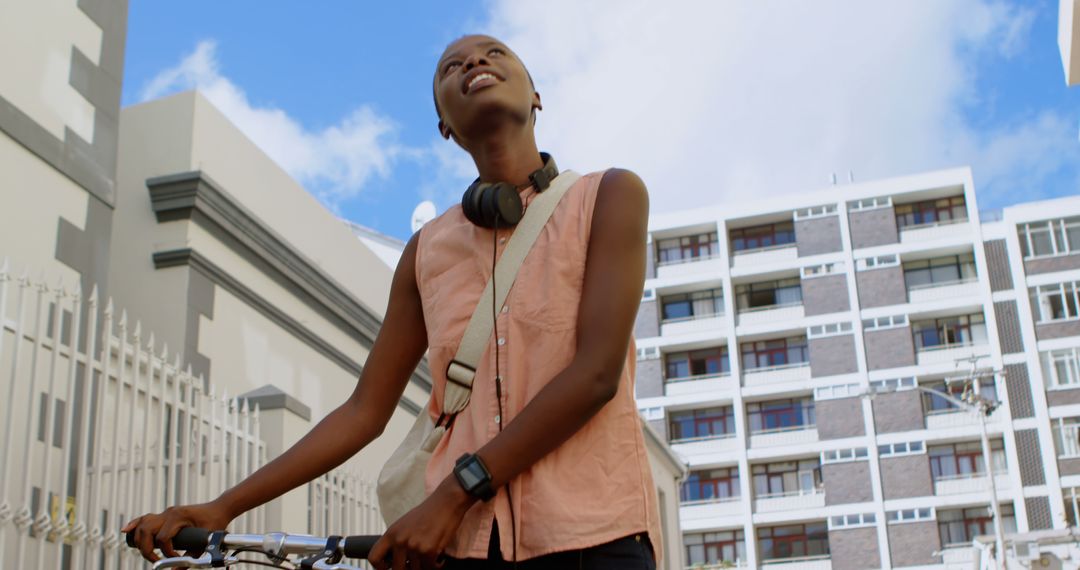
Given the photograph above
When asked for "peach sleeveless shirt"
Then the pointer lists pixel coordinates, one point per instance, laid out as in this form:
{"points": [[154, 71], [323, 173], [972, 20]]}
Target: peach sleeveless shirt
{"points": [[597, 486]]}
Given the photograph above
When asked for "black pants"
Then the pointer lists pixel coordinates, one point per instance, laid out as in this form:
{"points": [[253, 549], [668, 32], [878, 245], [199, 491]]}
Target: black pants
{"points": [[632, 552]]}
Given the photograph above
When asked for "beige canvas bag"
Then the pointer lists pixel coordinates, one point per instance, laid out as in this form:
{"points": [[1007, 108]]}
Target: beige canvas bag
{"points": [[401, 481]]}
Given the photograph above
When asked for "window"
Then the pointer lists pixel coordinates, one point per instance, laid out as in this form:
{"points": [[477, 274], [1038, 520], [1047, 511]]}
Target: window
{"points": [[910, 515], [831, 329], [939, 271], [715, 548], [697, 363], [961, 460], [815, 212], [950, 331], [821, 270], [938, 211], [903, 448], [885, 322], [1072, 506], [852, 521], [648, 352], [1055, 302], [771, 353], [893, 384], [961, 526], [932, 404], [793, 541], [837, 391], [768, 294], [1062, 367], [787, 478], [1051, 237], [870, 203], [1067, 436], [843, 455], [687, 248], [696, 305], [763, 236], [700, 424], [876, 262], [778, 415], [711, 485]]}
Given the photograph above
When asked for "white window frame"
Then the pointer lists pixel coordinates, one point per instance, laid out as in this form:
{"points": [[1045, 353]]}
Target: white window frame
{"points": [[883, 323], [1043, 292], [812, 271], [837, 392], [830, 329], [902, 448], [847, 455], [652, 413], [648, 353], [894, 384], [815, 212], [856, 520], [910, 515], [877, 262], [1057, 229], [648, 295], [870, 203], [1072, 357]]}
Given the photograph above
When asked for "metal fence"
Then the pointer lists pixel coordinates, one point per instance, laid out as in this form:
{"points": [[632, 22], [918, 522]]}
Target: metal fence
{"points": [[101, 424]]}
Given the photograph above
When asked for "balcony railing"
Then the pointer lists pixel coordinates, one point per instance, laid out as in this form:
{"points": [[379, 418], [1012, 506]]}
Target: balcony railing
{"points": [[692, 324], [956, 417], [794, 372], [687, 266], [939, 291], [765, 255], [949, 352], [959, 554], [813, 498], [793, 435], [684, 260], [970, 483], [719, 565], [712, 501], [933, 230], [702, 438], [803, 563], [781, 314]]}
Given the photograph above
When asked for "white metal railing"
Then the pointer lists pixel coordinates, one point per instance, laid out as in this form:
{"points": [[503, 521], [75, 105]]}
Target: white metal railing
{"points": [[764, 249], [823, 562], [683, 260], [691, 378], [925, 286], [751, 310], [718, 565], [343, 503], [789, 429], [703, 438], [691, 318], [712, 501], [100, 425]]}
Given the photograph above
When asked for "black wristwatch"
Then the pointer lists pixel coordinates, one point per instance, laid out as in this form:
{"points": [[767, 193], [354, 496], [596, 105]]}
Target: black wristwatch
{"points": [[474, 477]]}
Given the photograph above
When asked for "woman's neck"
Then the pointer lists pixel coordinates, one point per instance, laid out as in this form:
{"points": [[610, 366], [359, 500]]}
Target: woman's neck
{"points": [[507, 159]]}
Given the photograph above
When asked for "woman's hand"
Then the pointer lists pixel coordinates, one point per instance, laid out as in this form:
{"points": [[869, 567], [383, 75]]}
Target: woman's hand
{"points": [[158, 530], [417, 540]]}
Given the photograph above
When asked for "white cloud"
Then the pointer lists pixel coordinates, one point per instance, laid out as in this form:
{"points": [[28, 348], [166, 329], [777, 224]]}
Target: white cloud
{"points": [[333, 163], [713, 101]]}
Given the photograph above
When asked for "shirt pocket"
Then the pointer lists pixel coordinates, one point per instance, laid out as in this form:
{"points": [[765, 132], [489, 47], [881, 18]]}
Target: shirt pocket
{"points": [[547, 290]]}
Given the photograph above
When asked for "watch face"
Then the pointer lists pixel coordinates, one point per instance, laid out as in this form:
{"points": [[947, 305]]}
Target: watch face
{"points": [[471, 475]]}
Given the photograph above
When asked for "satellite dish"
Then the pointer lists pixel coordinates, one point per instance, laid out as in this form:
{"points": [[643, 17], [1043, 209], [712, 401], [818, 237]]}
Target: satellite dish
{"points": [[424, 213]]}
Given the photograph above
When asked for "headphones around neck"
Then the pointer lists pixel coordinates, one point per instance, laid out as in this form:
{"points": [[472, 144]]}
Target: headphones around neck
{"points": [[487, 204]]}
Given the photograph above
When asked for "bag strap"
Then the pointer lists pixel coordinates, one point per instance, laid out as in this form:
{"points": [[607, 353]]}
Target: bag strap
{"points": [[462, 369]]}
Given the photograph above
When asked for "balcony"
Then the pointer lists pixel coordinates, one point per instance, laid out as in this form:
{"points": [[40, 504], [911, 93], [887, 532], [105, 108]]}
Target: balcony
{"points": [[970, 483], [691, 325], [777, 254], [962, 556], [805, 563], [778, 314], [703, 450], [711, 509], [695, 384], [795, 372], [704, 264], [935, 231], [719, 566], [949, 353], [785, 436], [957, 418], [942, 291], [793, 501]]}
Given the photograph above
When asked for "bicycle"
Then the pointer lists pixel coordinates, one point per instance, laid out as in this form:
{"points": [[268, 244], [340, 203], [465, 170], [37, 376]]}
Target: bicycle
{"points": [[323, 552]]}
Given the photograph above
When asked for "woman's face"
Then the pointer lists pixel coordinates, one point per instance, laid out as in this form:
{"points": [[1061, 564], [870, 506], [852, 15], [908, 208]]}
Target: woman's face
{"points": [[478, 83]]}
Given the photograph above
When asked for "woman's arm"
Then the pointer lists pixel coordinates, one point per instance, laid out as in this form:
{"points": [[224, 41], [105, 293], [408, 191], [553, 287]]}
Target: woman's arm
{"points": [[614, 277], [400, 344]]}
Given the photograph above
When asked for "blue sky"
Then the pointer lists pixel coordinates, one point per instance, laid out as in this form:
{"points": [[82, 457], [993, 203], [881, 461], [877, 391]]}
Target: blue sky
{"points": [[708, 101]]}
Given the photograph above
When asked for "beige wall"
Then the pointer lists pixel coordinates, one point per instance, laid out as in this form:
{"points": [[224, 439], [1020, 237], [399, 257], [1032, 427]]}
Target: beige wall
{"points": [[1069, 39], [668, 471]]}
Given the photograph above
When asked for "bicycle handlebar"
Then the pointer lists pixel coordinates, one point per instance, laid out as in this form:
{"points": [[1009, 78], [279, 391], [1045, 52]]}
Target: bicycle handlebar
{"points": [[279, 544]]}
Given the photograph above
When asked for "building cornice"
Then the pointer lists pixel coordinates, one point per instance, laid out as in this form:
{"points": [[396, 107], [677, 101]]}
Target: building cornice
{"points": [[196, 197]]}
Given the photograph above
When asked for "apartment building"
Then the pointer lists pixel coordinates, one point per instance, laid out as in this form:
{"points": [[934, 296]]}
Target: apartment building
{"points": [[791, 356], [1069, 39]]}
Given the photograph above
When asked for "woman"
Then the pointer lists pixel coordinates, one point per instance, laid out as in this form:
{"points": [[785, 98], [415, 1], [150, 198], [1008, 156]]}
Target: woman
{"points": [[551, 426]]}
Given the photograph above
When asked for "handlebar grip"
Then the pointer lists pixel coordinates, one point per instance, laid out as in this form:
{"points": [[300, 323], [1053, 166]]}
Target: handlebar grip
{"points": [[191, 538], [360, 546]]}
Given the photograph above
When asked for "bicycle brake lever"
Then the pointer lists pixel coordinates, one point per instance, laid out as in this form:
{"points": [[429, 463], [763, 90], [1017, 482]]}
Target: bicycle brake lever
{"points": [[203, 561]]}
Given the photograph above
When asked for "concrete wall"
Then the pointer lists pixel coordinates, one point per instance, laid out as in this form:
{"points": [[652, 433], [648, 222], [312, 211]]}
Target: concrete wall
{"points": [[648, 320], [1063, 397], [667, 471], [1063, 329], [881, 287], [649, 379], [1008, 326], [914, 544], [818, 235], [839, 418], [827, 294], [1052, 264], [898, 411], [832, 355], [889, 348], [854, 549], [906, 476], [847, 482], [997, 263], [1018, 386], [873, 227]]}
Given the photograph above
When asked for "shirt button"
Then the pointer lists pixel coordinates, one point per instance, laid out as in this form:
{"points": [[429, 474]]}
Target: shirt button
{"points": [[506, 309], [498, 419], [502, 240], [502, 341]]}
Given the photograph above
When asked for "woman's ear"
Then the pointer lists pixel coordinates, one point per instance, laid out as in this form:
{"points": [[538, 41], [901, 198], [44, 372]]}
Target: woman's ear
{"points": [[444, 130], [536, 102]]}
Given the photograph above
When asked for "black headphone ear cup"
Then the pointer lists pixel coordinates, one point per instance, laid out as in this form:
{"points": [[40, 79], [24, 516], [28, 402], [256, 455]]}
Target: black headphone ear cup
{"points": [[489, 204], [508, 205], [470, 203]]}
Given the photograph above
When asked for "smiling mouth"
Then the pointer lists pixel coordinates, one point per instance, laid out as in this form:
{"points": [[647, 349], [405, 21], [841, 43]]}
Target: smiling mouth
{"points": [[481, 80]]}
